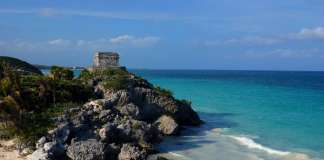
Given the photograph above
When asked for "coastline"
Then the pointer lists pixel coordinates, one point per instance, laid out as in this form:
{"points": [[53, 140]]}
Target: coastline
{"points": [[214, 137], [211, 145]]}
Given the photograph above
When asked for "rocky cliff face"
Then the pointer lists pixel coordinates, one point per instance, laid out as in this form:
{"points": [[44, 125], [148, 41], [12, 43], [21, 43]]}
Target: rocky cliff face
{"points": [[122, 124]]}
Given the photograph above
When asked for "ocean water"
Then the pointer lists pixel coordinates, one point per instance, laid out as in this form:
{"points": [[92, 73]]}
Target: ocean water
{"points": [[249, 115]]}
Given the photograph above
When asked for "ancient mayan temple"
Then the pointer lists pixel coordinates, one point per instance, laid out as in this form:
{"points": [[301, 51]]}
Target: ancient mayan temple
{"points": [[106, 60]]}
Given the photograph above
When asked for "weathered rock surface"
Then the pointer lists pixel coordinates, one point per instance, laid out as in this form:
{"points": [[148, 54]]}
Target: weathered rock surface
{"points": [[131, 152], [108, 133], [86, 150], [167, 125], [50, 150], [125, 124]]}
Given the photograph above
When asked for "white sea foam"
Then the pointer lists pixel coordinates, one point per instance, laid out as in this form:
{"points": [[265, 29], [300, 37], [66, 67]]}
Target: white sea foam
{"points": [[176, 154], [253, 145], [284, 155]]}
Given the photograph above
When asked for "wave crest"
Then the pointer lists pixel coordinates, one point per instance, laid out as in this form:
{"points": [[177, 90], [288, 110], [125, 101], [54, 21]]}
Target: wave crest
{"points": [[250, 143]]}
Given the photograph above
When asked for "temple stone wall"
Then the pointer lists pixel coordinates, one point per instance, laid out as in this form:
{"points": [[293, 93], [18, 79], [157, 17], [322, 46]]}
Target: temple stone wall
{"points": [[106, 59]]}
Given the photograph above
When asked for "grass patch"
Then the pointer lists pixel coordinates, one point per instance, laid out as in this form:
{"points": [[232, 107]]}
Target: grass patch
{"points": [[116, 83]]}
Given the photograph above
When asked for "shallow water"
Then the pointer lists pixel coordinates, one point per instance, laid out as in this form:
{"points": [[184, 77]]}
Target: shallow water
{"points": [[262, 115]]}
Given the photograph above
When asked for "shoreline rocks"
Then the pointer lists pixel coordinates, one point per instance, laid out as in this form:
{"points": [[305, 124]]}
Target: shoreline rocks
{"points": [[123, 124]]}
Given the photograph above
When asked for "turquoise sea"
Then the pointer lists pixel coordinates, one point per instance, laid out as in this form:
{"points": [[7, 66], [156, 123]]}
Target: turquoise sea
{"points": [[260, 114], [249, 115]]}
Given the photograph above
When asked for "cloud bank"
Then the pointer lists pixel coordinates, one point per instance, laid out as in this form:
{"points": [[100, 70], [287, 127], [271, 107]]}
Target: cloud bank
{"points": [[51, 12], [311, 33], [61, 44], [286, 53], [316, 33]]}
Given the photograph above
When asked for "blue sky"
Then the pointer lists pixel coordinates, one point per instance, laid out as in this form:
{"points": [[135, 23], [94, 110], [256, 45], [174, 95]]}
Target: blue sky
{"points": [[167, 34]]}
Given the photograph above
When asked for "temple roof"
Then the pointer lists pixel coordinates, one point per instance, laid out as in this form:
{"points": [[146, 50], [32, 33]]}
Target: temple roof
{"points": [[106, 54]]}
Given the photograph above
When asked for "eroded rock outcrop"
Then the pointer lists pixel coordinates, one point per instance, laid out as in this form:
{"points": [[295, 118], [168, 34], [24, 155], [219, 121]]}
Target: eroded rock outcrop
{"points": [[123, 124]]}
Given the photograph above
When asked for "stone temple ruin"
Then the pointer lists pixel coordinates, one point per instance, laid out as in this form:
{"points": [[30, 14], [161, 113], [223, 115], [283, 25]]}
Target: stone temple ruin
{"points": [[106, 60]]}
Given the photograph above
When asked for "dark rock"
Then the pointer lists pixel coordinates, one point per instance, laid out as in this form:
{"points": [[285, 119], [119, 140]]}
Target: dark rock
{"points": [[108, 133], [112, 151], [49, 151], [61, 133], [106, 116], [90, 149], [130, 110]]}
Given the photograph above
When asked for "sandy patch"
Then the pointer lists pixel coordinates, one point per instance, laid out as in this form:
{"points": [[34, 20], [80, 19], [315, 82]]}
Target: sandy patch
{"points": [[8, 151]]}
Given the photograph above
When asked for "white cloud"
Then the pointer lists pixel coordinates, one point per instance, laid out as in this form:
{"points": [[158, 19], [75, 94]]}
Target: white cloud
{"points": [[123, 41], [255, 40], [306, 33], [59, 41], [134, 41], [311, 33], [286, 53], [48, 12]]}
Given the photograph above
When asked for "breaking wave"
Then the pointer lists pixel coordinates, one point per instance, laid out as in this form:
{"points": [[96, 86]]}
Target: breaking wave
{"points": [[284, 155]]}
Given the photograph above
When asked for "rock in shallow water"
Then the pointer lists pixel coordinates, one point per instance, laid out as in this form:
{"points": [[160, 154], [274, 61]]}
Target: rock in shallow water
{"points": [[131, 152], [167, 125]]}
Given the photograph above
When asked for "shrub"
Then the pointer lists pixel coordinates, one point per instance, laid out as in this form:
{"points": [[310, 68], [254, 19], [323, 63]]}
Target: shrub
{"points": [[60, 73], [116, 83], [109, 72], [38, 123], [29, 102], [85, 74], [163, 91], [1, 71]]}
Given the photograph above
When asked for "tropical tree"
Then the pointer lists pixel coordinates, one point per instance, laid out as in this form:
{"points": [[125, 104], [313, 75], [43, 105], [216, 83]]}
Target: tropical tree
{"points": [[60, 73]]}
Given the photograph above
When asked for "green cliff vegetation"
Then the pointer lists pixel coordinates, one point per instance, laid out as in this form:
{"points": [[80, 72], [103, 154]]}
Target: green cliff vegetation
{"points": [[28, 102]]}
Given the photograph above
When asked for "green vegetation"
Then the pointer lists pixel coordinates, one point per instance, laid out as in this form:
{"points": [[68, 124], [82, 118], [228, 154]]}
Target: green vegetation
{"points": [[19, 65], [103, 73], [60, 73], [85, 75], [163, 91], [116, 83], [29, 102], [114, 79]]}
